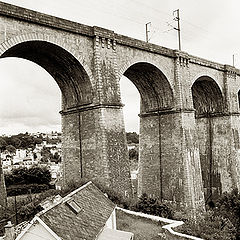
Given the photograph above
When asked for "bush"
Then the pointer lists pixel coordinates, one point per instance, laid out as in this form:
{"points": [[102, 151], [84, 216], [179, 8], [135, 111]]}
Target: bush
{"points": [[152, 206], [25, 175], [15, 190], [221, 222], [132, 137], [28, 211], [209, 226], [27, 206], [228, 206]]}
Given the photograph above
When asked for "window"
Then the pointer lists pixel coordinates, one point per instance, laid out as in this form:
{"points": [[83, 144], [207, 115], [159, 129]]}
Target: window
{"points": [[74, 206]]}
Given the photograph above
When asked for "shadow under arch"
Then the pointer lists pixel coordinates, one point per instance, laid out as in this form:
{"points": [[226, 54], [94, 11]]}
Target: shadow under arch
{"points": [[154, 88], [76, 88], [208, 102], [207, 97], [67, 71], [157, 99]]}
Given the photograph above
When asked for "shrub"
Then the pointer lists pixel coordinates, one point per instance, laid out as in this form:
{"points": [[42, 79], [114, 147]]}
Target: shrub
{"points": [[25, 175], [15, 190], [209, 226], [221, 222], [228, 206], [27, 212], [152, 206]]}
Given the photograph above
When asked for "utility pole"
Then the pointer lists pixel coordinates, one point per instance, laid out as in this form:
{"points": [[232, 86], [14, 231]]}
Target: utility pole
{"points": [[233, 60], [147, 31], [177, 18]]}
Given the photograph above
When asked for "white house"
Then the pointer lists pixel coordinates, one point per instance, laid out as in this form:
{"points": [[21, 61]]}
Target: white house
{"points": [[84, 214]]}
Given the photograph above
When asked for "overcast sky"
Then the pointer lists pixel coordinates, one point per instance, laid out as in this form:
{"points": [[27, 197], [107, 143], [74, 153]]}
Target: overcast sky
{"points": [[30, 98]]}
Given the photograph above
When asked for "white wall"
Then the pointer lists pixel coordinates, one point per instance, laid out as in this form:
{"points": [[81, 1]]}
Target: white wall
{"points": [[37, 232], [111, 222]]}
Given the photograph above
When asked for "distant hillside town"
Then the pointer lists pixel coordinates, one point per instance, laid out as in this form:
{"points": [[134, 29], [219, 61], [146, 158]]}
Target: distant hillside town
{"points": [[44, 150], [29, 149]]}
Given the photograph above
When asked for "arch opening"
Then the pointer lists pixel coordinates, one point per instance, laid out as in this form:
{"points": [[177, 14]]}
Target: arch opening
{"points": [[69, 74], [31, 99], [207, 97], [154, 88], [156, 97], [209, 106], [76, 89]]}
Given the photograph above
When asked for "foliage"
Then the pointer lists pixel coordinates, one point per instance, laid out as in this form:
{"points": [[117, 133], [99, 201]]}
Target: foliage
{"points": [[132, 137], [46, 154], [26, 206], [27, 212], [221, 222], [133, 154], [22, 140], [152, 206], [210, 226], [56, 158], [11, 148], [3, 144], [33, 175], [228, 205], [53, 141], [15, 190]]}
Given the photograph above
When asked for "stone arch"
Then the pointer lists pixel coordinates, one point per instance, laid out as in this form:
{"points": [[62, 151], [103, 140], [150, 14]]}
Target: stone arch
{"points": [[155, 90], [208, 102], [156, 123], [67, 67], [208, 75], [207, 96]]}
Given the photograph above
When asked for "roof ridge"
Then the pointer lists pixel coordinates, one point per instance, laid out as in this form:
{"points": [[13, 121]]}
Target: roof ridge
{"points": [[64, 199]]}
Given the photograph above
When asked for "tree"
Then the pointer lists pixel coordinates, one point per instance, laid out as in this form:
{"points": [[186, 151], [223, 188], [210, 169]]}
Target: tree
{"points": [[132, 137], [33, 175], [133, 154], [3, 144], [16, 142], [56, 158], [46, 154], [11, 148], [39, 175]]}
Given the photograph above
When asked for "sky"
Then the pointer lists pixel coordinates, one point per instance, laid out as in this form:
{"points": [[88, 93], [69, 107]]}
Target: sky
{"points": [[30, 99]]}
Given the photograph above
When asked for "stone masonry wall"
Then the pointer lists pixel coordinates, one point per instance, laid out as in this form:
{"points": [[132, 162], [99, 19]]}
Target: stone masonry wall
{"points": [[94, 141]]}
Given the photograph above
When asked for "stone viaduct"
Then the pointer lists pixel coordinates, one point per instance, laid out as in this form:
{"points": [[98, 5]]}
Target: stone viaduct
{"points": [[189, 118]]}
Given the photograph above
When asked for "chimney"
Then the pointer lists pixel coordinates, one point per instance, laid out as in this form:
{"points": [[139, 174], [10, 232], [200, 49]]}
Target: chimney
{"points": [[9, 231]]}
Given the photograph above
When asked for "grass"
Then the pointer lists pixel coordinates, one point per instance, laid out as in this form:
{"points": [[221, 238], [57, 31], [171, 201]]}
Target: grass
{"points": [[141, 227]]}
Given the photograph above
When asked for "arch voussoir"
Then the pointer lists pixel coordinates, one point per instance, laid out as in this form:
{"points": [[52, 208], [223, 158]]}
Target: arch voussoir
{"points": [[48, 38]]}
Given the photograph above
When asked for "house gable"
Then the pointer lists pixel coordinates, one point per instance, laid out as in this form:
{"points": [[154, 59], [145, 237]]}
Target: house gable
{"points": [[37, 230]]}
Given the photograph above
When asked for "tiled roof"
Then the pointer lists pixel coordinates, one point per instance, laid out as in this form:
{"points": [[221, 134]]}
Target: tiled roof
{"points": [[95, 207]]}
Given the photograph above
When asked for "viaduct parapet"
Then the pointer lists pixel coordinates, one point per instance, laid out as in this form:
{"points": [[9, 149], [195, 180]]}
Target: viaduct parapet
{"points": [[189, 119]]}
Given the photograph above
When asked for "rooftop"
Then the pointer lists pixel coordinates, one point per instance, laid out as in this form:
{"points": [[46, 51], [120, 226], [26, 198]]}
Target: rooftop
{"points": [[81, 215]]}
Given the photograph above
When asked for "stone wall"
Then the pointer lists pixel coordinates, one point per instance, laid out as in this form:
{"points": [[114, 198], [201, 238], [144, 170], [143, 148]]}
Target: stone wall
{"points": [[87, 63]]}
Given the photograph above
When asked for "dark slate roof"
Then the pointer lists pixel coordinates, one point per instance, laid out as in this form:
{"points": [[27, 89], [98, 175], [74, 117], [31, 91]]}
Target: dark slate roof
{"points": [[96, 208]]}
